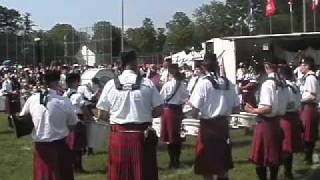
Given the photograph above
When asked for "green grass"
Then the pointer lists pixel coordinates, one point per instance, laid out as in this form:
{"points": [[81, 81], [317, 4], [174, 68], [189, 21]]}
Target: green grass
{"points": [[16, 159]]}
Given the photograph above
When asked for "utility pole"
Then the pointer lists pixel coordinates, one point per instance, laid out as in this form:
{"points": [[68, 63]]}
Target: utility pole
{"points": [[122, 26]]}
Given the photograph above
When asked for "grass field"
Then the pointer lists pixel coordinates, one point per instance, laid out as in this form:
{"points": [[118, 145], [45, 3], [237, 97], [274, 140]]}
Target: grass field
{"points": [[16, 160]]}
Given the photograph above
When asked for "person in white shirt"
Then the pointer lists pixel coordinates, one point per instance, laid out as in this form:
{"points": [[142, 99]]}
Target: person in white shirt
{"points": [[164, 72], [215, 98], [12, 100], [77, 139], [197, 74], [7, 84], [290, 123], [131, 101], [310, 92], [53, 117], [266, 146], [175, 94]]}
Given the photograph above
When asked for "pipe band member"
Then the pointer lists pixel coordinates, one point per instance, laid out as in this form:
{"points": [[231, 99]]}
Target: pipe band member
{"points": [[53, 118], [214, 97], [290, 123], [131, 101], [77, 139], [310, 90], [175, 94], [266, 146]]}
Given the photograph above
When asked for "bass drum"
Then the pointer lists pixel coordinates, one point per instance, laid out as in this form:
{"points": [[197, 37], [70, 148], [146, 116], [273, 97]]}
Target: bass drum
{"points": [[97, 135]]}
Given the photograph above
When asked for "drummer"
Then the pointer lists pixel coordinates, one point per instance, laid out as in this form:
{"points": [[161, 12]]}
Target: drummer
{"points": [[53, 117], [77, 139], [131, 100], [175, 94], [310, 91], [214, 97], [266, 146], [290, 123]]}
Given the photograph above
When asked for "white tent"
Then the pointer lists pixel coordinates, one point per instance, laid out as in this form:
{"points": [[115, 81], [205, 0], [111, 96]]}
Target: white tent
{"points": [[182, 57], [86, 57]]}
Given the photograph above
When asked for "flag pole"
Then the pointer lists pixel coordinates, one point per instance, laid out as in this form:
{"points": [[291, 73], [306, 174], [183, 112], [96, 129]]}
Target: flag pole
{"points": [[314, 21], [304, 9], [270, 24], [291, 16]]}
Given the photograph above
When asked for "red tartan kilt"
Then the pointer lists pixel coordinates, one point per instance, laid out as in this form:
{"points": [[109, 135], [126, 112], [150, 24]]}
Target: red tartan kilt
{"points": [[310, 119], [171, 120], [77, 140], [52, 161], [292, 129], [12, 104], [266, 146], [213, 152], [129, 157]]}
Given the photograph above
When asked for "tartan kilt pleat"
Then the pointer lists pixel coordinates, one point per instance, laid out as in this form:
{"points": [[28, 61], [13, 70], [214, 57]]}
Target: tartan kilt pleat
{"points": [[77, 140], [52, 161], [267, 143], [292, 129], [310, 120], [213, 149], [12, 104], [171, 120], [129, 157]]}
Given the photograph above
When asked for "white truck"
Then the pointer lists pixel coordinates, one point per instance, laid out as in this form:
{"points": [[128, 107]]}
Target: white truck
{"points": [[253, 49]]}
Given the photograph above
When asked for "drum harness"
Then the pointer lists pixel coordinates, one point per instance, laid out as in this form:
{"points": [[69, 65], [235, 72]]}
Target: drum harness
{"points": [[279, 84], [149, 133]]}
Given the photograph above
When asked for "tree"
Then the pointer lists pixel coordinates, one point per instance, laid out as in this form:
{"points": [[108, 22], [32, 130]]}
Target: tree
{"points": [[143, 39], [10, 19], [161, 39], [27, 23], [180, 32]]}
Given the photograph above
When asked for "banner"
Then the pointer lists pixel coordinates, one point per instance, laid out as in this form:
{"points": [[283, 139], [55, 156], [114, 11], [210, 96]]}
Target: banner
{"points": [[315, 5], [271, 8]]}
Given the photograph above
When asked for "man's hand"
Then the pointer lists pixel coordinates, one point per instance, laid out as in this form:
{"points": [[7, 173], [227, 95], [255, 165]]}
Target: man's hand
{"points": [[248, 108]]}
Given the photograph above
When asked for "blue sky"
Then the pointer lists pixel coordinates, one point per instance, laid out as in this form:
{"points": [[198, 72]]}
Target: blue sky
{"points": [[83, 13]]}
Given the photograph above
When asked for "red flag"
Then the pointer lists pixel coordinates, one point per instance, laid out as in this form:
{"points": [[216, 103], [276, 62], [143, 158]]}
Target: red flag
{"points": [[315, 5], [271, 8]]}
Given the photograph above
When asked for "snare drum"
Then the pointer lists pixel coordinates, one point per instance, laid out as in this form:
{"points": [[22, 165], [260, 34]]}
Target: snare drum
{"points": [[97, 135]]}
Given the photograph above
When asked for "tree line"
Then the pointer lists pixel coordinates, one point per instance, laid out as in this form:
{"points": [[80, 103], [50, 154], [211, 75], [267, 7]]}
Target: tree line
{"points": [[182, 32]]}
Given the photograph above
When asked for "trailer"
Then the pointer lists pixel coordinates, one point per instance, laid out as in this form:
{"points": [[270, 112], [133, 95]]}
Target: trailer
{"points": [[253, 50]]}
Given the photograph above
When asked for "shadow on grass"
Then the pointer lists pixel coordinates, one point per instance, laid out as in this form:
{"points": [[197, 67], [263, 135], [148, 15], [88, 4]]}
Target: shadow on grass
{"points": [[98, 171], [240, 162], [241, 143], [99, 153], [163, 147], [301, 173], [6, 132]]}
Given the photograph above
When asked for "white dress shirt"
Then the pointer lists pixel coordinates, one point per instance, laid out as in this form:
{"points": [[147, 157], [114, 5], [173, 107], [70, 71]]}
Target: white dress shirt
{"points": [[7, 86], [127, 106], [214, 102], [310, 86], [76, 99], [164, 75], [276, 97], [191, 85], [86, 92], [50, 122], [181, 95]]}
